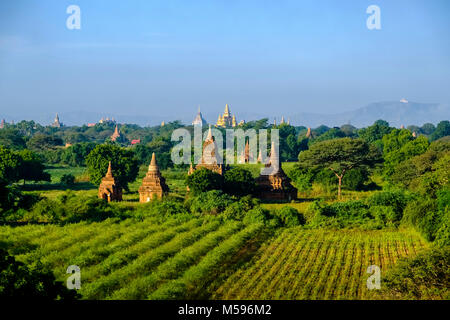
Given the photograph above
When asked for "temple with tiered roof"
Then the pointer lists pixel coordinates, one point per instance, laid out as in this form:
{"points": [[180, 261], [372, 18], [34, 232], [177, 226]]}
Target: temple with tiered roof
{"points": [[209, 158], [109, 188], [226, 120], [153, 185], [56, 122], [276, 185]]}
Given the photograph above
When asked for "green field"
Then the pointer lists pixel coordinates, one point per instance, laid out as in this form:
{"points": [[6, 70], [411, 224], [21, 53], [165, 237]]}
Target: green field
{"points": [[317, 264], [208, 258]]}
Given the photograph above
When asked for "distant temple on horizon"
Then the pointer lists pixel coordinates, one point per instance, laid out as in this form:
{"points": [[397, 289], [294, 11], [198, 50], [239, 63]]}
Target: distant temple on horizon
{"points": [[117, 135], [226, 120], [199, 121], [56, 122]]}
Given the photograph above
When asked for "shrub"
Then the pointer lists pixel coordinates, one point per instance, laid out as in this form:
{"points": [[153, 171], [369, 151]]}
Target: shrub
{"points": [[427, 276], [67, 179], [290, 216], [21, 281], [45, 210], [211, 202], [260, 215], [423, 214], [237, 210], [203, 180], [163, 209], [397, 200]]}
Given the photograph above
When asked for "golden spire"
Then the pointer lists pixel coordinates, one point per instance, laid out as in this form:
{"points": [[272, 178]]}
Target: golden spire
{"points": [[308, 133], [109, 172], [227, 110], [153, 166]]}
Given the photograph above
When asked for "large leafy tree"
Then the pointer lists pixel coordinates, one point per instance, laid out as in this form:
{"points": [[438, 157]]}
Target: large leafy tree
{"points": [[44, 142], [375, 132], [442, 130], [10, 162], [12, 139], [400, 145], [124, 164], [32, 168], [340, 156], [76, 154]]}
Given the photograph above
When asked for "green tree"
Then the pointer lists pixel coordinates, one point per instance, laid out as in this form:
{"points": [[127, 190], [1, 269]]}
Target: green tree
{"points": [[31, 167], [42, 141], [67, 179], [76, 154], [203, 180], [340, 156], [239, 182], [428, 129], [375, 132], [125, 167], [400, 145], [10, 162], [442, 130], [12, 139]]}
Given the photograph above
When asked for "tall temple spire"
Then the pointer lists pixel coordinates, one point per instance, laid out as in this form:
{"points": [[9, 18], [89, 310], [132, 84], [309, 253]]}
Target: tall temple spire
{"points": [[153, 183], [116, 133], [209, 136], [227, 110], [274, 159], [56, 122], [109, 172], [153, 166]]}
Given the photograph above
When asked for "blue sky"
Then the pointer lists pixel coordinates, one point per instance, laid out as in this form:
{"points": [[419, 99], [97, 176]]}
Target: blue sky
{"points": [[141, 57]]}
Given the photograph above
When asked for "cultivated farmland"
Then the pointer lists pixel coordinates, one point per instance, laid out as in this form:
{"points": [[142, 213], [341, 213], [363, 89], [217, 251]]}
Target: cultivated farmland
{"points": [[318, 264]]}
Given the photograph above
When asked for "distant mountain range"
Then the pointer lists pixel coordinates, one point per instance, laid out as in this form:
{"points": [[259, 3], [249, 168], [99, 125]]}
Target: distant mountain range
{"points": [[397, 113]]}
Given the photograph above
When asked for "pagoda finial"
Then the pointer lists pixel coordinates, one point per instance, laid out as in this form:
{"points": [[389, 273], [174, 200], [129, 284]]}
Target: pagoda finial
{"points": [[274, 159], [227, 109], [153, 166], [209, 137], [109, 173]]}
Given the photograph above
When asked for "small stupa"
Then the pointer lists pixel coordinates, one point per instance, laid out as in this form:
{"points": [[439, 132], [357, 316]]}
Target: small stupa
{"points": [[153, 184], [109, 188]]}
